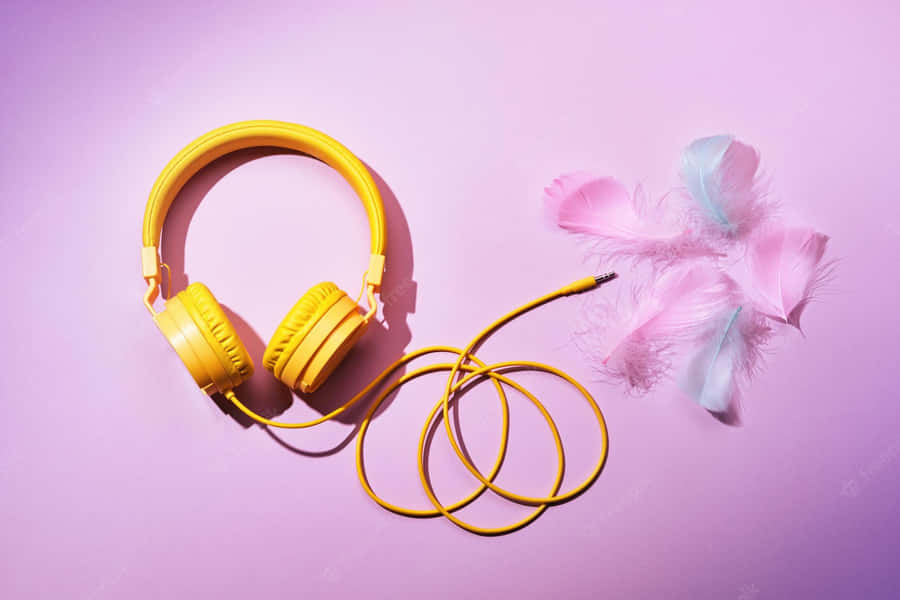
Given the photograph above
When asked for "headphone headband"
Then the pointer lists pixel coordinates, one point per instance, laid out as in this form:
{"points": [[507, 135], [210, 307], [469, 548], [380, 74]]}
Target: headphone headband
{"points": [[251, 134]]}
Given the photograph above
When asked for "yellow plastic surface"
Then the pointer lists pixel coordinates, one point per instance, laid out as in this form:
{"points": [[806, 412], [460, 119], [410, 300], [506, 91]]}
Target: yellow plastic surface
{"points": [[297, 323], [317, 346], [205, 340], [196, 316], [250, 134]]}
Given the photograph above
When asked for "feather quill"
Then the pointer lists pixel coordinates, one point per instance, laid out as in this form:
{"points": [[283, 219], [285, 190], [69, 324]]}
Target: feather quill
{"points": [[632, 340], [786, 270], [726, 359], [721, 176], [618, 224]]}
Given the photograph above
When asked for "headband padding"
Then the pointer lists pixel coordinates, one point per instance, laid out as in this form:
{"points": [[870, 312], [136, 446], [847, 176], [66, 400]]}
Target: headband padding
{"points": [[217, 326], [299, 320]]}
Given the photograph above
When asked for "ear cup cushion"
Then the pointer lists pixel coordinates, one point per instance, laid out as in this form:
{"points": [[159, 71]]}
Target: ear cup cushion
{"points": [[217, 325], [304, 314]]}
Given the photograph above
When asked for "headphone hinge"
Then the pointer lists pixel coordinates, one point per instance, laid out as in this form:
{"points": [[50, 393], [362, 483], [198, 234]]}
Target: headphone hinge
{"points": [[152, 272], [375, 272]]}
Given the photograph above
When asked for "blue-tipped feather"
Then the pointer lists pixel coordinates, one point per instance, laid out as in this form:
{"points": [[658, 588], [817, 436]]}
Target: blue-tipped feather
{"points": [[727, 358], [720, 174]]}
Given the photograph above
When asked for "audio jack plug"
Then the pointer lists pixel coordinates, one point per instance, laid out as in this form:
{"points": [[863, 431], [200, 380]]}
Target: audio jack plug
{"points": [[588, 283], [598, 279]]}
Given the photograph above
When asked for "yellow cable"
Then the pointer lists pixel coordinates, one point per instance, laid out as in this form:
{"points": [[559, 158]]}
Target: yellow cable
{"points": [[475, 370]]}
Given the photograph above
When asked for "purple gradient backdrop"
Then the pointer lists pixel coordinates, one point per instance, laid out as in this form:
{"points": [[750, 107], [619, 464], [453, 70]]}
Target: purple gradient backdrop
{"points": [[120, 480]]}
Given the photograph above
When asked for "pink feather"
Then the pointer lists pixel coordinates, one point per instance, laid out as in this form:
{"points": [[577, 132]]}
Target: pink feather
{"points": [[563, 187], [786, 269], [632, 340], [617, 224]]}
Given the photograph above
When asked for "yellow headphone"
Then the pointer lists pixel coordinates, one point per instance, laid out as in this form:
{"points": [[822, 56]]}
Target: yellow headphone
{"points": [[321, 327], [325, 323]]}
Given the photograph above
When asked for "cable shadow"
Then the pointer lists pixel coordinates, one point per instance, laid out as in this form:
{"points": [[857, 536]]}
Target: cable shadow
{"points": [[383, 343]]}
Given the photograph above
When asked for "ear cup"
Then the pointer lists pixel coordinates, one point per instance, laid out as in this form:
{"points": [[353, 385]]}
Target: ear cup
{"points": [[204, 338], [314, 337], [219, 328], [308, 309]]}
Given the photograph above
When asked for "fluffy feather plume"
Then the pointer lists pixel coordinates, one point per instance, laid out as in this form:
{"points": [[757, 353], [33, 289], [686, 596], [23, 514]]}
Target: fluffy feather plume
{"points": [[617, 224], [716, 227], [786, 269], [726, 359], [720, 174], [632, 340]]}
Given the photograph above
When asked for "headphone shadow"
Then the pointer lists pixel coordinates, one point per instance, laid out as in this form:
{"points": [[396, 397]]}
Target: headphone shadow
{"points": [[383, 343]]}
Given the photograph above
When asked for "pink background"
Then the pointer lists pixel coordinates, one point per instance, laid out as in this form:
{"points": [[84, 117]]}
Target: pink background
{"points": [[119, 479]]}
